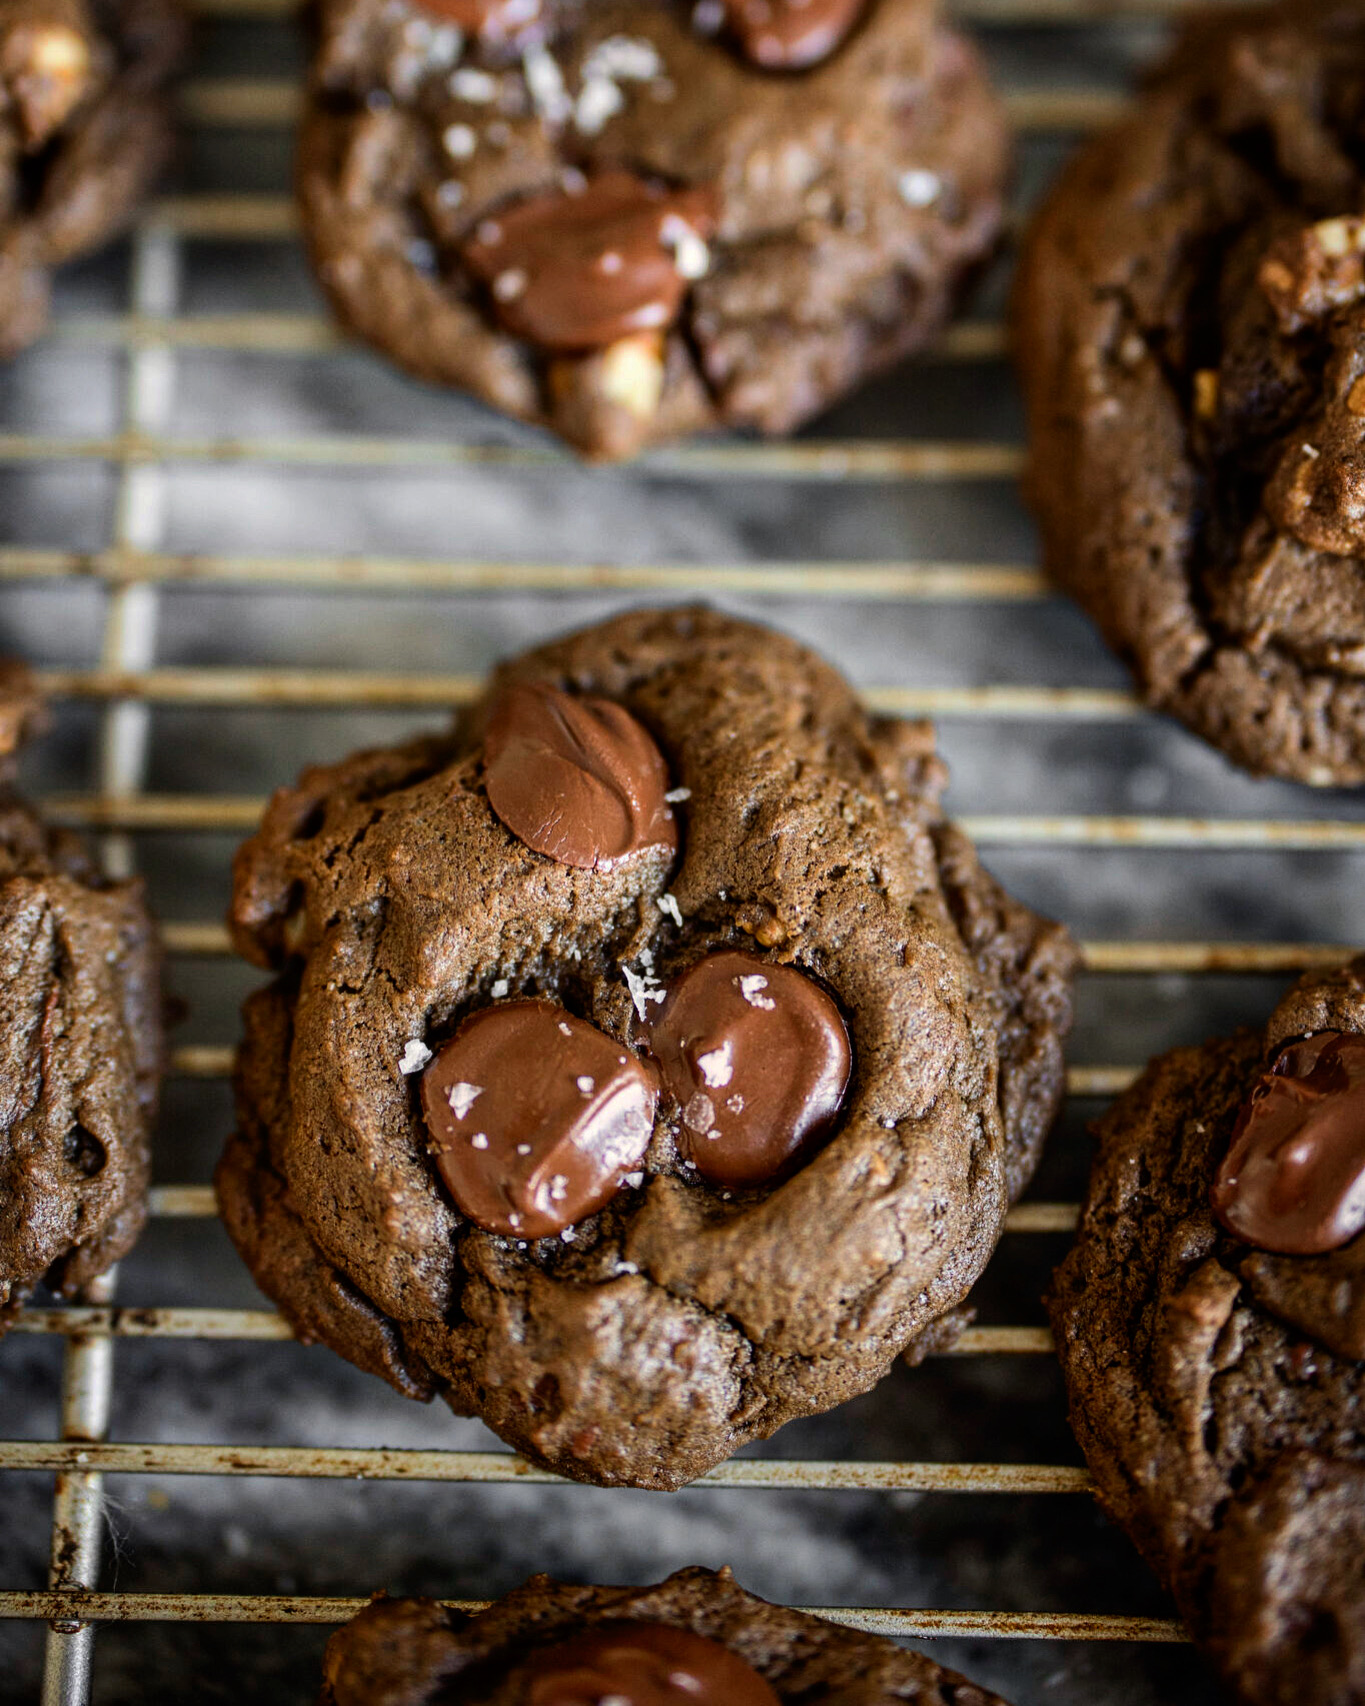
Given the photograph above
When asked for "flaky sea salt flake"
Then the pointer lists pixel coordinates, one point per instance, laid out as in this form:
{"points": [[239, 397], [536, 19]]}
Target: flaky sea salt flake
{"points": [[691, 257], [643, 987], [919, 188], [717, 1066], [462, 1098], [598, 100], [475, 86], [459, 141], [416, 1055], [545, 81], [446, 46], [624, 59]]}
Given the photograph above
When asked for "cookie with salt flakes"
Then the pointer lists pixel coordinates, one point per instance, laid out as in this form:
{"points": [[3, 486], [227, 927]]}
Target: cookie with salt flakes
{"points": [[648, 1062], [632, 222]]}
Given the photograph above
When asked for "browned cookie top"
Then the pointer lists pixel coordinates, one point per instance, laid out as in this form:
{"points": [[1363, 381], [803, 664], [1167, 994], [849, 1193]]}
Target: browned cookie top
{"points": [[633, 220], [717, 1227], [1191, 313], [1217, 1386], [84, 130], [414, 1652], [80, 1048]]}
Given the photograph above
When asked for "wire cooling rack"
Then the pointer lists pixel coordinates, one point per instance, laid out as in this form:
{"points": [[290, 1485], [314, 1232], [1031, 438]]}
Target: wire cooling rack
{"points": [[136, 568]]}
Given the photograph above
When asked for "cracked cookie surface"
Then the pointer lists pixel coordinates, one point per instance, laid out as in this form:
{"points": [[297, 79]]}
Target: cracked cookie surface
{"points": [[1189, 323], [1218, 1390], [85, 129], [407, 1652], [849, 200], [80, 1046], [654, 1337]]}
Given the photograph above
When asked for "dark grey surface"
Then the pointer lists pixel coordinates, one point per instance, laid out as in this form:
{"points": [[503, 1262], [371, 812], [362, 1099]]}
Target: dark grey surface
{"points": [[257, 1536]]}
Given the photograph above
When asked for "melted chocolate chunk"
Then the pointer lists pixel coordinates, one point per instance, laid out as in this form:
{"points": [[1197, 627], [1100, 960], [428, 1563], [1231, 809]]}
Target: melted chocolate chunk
{"points": [[791, 35], [490, 20], [536, 1117], [757, 1057], [576, 271], [1293, 1179], [643, 1664], [579, 780]]}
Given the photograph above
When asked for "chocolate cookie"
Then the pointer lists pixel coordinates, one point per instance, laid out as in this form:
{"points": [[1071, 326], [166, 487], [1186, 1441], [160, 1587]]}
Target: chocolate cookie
{"points": [[649, 1062], [84, 131], [626, 222], [1211, 1326], [696, 1637], [80, 1045], [1191, 321]]}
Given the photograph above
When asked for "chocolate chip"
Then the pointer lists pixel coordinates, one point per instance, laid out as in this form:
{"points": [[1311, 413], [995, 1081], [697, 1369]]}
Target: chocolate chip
{"points": [[1293, 1179], [536, 1117], [791, 35], [643, 1664], [579, 780], [577, 271], [757, 1058]]}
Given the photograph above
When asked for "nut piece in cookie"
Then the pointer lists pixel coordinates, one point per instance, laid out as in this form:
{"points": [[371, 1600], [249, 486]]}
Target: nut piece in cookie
{"points": [[697, 1637], [628, 223], [84, 131], [1211, 1327], [1190, 319], [80, 1046], [647, 1062], [47, 64]]}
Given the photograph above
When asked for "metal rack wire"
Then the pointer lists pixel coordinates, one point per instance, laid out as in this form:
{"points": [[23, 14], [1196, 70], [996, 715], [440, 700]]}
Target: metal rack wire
{"points": [[135, 572]]}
